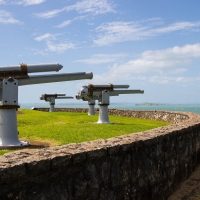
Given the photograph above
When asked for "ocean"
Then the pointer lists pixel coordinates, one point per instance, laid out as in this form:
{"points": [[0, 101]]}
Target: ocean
{"points": [[195, 108]]}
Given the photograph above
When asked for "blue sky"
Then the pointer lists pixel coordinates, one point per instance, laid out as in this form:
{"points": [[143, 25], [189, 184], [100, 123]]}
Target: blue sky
{"points": [[151, 45]]}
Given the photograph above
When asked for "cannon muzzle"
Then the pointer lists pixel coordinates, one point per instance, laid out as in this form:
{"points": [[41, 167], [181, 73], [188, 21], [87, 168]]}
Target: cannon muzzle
{"points": [[32, 68]]}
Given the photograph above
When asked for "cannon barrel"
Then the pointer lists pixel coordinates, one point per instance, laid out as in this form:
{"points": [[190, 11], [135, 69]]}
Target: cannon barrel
{"points": [[53, 95], [56, 96], [44, 96], [107, 86], [127, 92], [38, 79], [118, 92], [32, 68], [64, 97]]}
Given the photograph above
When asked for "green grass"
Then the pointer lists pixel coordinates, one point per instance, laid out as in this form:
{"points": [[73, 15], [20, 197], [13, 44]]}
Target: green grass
{"points": [[63, 128], [60, 128]]}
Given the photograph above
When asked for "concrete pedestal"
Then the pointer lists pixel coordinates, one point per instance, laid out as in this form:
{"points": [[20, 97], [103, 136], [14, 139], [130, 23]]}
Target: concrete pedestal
{"points": [[91, 110], [51, 109], [103, 115], [8, 129]]}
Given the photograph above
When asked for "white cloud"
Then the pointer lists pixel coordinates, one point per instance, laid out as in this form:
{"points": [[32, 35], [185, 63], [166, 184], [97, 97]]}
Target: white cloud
{"points": [[63, 24], [48, 14], [102, 58], [31, 2], [46, 36], [163, 79], [161, 59], [22, 2], [178, 26], [67, 22], [92, 6], [178, 71], [39, 52], [6, 18], [84, 6], [60, 47], [111, 78], [99, 79], [152, 62], [169, 79], [2, 2], [55, 46], [176, 54], [113, 32]]}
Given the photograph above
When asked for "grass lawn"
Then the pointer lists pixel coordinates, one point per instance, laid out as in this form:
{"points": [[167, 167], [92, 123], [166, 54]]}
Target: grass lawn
{"points": [[60, 128]]}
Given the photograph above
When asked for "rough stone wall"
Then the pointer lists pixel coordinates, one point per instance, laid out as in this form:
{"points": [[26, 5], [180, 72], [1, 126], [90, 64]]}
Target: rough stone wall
{"points": [[143, 166], [174, 117]]}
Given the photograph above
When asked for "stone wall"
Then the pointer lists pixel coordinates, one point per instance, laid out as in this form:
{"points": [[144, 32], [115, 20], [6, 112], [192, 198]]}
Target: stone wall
{"points": [[174, 117], [143, 166]]}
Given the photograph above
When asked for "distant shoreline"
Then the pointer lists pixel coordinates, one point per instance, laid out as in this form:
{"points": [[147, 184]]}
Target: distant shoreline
{"points": [[150, 104]]}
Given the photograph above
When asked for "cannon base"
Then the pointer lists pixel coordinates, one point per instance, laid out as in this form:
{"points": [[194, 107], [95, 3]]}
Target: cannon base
{"points": [[8, 129], [103, 115], [15, 144], [91, 110], [52, 108]]}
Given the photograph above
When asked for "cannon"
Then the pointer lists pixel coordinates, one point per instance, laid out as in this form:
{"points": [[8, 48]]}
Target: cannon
{"points": [[102, 93], [18, 75], [91, 102], [86, 94], [51, 99]]}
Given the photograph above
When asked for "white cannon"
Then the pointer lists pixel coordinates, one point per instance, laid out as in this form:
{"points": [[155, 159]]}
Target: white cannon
{"points": [[51, 99], [91, 102], [13, 76], [102, 93]]}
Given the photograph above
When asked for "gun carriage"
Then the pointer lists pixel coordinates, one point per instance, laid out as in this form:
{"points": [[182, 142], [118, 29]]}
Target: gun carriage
{"points": [[51, 99], [102, 93], [18, 75]]}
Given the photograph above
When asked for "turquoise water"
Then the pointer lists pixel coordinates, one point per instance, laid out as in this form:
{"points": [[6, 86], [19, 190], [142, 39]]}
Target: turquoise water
{"points": [[127, 106]]}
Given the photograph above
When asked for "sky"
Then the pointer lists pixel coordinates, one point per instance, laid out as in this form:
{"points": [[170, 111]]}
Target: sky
{"points": [[150, 45]]}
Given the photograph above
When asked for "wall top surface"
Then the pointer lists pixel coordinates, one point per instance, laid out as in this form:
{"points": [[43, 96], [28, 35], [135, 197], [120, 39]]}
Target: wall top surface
{"points": [[91, 148]]}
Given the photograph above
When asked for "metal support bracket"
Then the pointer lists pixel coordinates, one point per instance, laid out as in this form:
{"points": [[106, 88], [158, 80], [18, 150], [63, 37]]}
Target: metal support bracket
{"points": [[10, 92], [104, 98]]}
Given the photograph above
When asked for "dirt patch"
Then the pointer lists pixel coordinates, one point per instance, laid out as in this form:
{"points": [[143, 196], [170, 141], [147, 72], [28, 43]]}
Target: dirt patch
{"points": [[190, 188], [20, 112], [61, 123], [33, 145], [38, 144]]}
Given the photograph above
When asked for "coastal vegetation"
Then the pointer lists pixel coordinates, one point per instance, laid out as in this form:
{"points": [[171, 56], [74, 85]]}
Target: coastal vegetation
{"points": [[59, 128], [149, 104]]}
